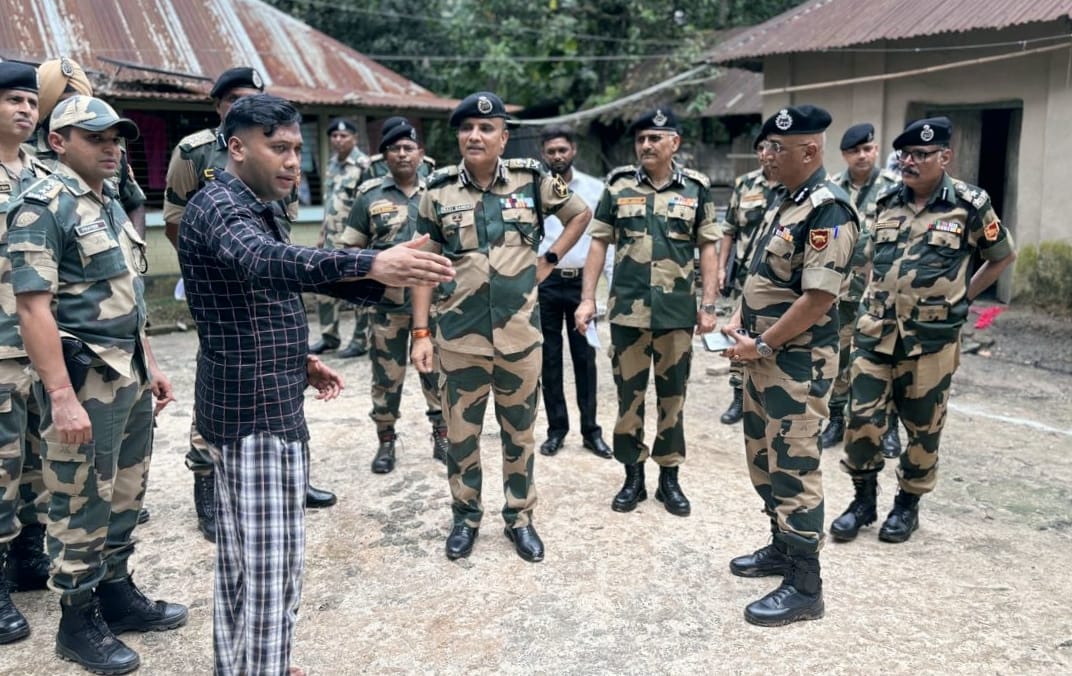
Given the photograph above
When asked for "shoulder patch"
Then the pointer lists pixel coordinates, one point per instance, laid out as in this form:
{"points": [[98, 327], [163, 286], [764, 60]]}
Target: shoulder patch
{"points": [[617, 172], [697, 176], [196, 140], [441, 176], [44, 191], [526, 164], [369, 185], [822, 195]]}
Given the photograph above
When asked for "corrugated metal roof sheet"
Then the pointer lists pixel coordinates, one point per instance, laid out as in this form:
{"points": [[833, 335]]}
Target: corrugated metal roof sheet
{"points": [[204, 37], [829, 24], [736, 92]]}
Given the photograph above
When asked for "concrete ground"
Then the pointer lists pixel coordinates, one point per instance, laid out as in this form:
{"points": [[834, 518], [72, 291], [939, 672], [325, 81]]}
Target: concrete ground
{"points": [[982, 587]]}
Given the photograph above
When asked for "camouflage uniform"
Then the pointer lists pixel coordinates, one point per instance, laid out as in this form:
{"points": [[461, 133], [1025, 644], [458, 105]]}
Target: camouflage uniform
{"points": [[807, 242], [865, 199], [907, 336], [488, 335], [20, 460], [652, 305], [341, 180], [752, 195], [384, 216], [62, 240], [377, 168]]}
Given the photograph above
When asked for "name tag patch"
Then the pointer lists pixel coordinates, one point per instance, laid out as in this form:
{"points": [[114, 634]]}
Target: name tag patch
{"points": [[383, 209], [627, 201], [456, 208], [84, 229]]}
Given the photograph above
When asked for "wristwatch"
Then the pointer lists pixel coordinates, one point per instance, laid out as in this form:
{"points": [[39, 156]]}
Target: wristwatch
{"points": [[551, 257], [709, 308], [762, 348]]}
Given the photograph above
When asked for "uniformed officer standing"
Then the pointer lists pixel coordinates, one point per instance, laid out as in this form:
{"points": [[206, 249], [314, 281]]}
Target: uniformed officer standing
{"points": [[907, 339], [196, 160], [341, 179], [787, 335], [385, 214], [21, 532], [752, 194], [377, 164], [485, 215], [865, 183], [76, 264], [655, 214]]}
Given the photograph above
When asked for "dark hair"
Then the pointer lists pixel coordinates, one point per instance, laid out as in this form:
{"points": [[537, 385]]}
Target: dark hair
{"points": [[558, 131], [259, 110]]}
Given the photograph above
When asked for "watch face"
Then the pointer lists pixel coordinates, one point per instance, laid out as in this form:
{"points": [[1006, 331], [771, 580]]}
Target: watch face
{"points": [[551, 257]]}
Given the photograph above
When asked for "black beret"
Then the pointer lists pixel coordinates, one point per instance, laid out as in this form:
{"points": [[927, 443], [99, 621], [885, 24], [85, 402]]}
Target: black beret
{"points": [[857, 134], [760, 138], [397, 131], [342, 124], [233, 78], [925, 132], [15, 75], [804, 119], [660, 118], [480, 104]]}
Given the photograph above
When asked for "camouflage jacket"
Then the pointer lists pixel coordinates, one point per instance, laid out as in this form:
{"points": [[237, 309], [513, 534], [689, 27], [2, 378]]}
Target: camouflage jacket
{"points": [[805, 244], [865, 199], [753, 194], [32, 171], [197, 159], [491, 237], [382, 217], [131, 196], [340, 186], [655, 233], [377, 168], [61, 239], [921, 264]]}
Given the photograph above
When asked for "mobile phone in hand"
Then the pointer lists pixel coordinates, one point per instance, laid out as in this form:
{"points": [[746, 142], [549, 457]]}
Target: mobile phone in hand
{"points": [[716, 341]]}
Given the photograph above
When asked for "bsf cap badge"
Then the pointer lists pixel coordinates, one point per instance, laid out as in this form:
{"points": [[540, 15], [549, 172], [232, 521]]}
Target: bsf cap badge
{"points": [[927, 134], [413, 134], [483, 104], [659, 119], [65, 67], [258, 82], [784, 120]]}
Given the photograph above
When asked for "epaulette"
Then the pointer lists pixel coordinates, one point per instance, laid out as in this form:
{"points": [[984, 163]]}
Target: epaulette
{"points": [[977, 197], [430, 161], [201, 138], [890, 175], [441, 176], [369, 185], [617, 172], [525, 164], [697, 176], [38, 166], [822, 195], [378, 157], [44, 191]]}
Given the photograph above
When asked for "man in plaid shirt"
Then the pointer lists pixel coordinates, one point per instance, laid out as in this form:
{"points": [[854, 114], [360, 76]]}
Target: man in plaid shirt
{"points": [[243, 282]]}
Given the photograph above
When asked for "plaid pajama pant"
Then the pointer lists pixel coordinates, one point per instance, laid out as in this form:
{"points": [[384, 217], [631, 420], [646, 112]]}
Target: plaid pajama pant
{"points": [[260, 553]]}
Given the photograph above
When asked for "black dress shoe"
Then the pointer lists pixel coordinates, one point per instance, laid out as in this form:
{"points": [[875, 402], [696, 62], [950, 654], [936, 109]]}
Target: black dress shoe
{"points": [[596, 444], [352, 350], [323, 345], [526, 542], [460, 541], [316, 498], [552, 445]]}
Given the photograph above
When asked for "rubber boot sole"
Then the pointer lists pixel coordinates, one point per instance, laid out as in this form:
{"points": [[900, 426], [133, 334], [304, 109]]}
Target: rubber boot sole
{"points": [[676, 511], [629, 506], [813, 612], [70, 656]]}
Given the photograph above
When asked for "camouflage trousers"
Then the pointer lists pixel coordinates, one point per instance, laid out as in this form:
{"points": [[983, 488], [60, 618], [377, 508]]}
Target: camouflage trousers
{"points": [[390, 352], [634, 353], [20, 461], [329, 311], [781, 424], [839, 397], [918, 389], [96, 489], [467, 381]]}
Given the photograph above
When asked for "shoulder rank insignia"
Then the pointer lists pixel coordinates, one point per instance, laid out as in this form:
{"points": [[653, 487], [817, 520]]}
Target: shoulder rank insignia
{"points": [[697, 176], [559, 187], [369, 185], [44, 191], [624, 170], [209, 173], [203, 137], [821, 196], [441, 176]]}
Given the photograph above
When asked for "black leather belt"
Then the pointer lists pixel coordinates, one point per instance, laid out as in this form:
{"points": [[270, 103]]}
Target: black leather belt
{"points": [[567, 273]]}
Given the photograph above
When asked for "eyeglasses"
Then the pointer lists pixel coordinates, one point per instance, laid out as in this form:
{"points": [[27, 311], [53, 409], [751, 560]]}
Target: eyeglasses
{"points": [[917, 155], [653, 139], [403, 148], [778, 148]]}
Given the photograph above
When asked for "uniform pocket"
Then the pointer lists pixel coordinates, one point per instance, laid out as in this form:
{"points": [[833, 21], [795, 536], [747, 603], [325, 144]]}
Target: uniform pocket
{"points": [[779, 257], [102, 257], [459, 230]]}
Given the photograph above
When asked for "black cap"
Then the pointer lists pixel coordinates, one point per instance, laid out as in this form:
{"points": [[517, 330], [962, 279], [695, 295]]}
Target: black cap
{"points": [[794, 120], [15, 75], [925, 132], [399, 130], [857, 134], [660, 118], [760, 138], [233, 78], [342, 124], [480, 104]]}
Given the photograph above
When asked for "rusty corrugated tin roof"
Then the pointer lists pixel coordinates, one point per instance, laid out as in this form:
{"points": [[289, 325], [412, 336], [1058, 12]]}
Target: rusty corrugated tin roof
{"points": [[830, 24], [203, 38], [736, 92]]}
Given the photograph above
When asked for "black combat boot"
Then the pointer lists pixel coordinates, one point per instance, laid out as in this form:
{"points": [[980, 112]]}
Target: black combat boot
{"points": [[440, 444], [891, 440], [860, 512], [902, 520], [835, 430], [670, 494], [28, 562], [13, 626], [205, 504], [384, 461], [125, 608], [633, 490], [736, 408], [799, 597], [766, 561], [84, 637]]}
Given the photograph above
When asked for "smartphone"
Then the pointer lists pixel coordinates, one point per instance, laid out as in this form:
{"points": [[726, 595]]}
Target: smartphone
{"points": [[716, 341]]}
